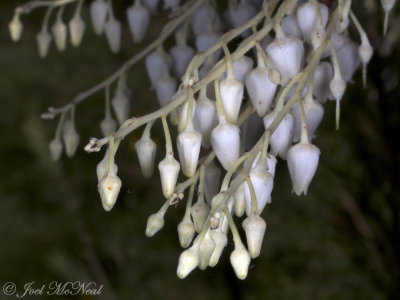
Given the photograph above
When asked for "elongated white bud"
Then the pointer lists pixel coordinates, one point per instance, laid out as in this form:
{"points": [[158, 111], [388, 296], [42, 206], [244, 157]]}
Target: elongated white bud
{"points": [[220, 239], [199, 212], [282, 137], [240, 14], [205, 118], [241, 67], [314, 113], [225, 141], [206, 40], [15, 27], [261, 89], [121, 104], [189, 143], [109, 188], [186, 232], [169, 170], [113, 33], [146, 151], [155, 223], [76, 30], [43, 39], [201, 18], [349, 59], [269, 163], [181, 57], [56, 148], [290, 27], [108, 125], [71, 138], [188, 261], [286, 54], [212, 180], [98, 15], [138, 18], [307, 18], [102, 168], [206, 249], [240, 203], [231, 98], [302, 162], [254, 227], [240, 261], [337, 87], [183, 114], [59, 30], [263, 183], [155, 65], [165, 89], [323, 75]]}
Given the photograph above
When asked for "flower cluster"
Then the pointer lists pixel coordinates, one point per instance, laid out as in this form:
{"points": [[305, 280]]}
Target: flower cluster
{"points": [[247, 106]]}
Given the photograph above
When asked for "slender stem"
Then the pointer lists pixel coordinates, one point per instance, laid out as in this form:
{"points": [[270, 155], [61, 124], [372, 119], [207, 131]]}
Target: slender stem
{"points": [[60, 125], [304, 133], [168, 143], [29, 6], [46, 18], [254, 206], [261, 160], [235, 232], [107, 104], [228, 176], [189, 201], [201, 181], [229, 62], [146, 131], [78, 8], [220, 110]]}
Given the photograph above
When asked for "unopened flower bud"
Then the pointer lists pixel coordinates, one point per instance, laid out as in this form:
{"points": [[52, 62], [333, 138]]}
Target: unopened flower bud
{"points": [[189, 143], [113, 34], [254, 227], [146, 151], [102, 167], [109, 188], [59, 30], [302, 162], [138, 18], [169, 170], [71, 138], [98, 14], [183, 114], [241, 67], [155, 65], [15, 27], [181, 56], [337, 87], [108, 125], [188, 261], [56, 149], [240, 261], [121, 104], [269, 163], [323, 75], [231, 98], [240, 14], [206, 249], [43, 40], [290, 27], [307, 18], [155, 223], [76, 30], [165, 89], [349, 59], [220, 239], [186, 232], [199, 212], [240, 203]]}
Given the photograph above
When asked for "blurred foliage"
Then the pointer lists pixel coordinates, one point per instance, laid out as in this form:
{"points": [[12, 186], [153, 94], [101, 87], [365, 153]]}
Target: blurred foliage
{"points": [[341, 241]]}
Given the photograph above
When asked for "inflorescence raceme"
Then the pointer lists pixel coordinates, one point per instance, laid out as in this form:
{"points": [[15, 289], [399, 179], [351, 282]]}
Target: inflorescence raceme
{"points": [[294, 56]]}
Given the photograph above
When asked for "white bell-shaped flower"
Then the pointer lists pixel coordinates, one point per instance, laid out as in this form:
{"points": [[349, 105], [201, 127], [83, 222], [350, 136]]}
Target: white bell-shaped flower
{"points": [[225, 141], [76, 29], [211, 181], [151, 5], [206, 249], [181, 56], [240, 261], [171, 4], [59, 30], [183, 114], [108, 125], [240, 14], [307, 18], [254, 227], [71, 138], [302, 160], [15, 27], [269, 163], [98, 15], [263, 183], [220, 239], [138, 18], [323, 75], [286, 54], [231, 91], [109, 188], [188, 261], [189, 144], [165, 89], [102, 167], [314, 113], [199, 212], [205, 117], [169, 169], [240, 202], [121, 105], [290, 27], [282, 137], [113, 31], [155, 223], [155, 65], [186, 231], [56, 148], [146, 151], [349, 59], [260, 88], [204, 15], [43, 39]]}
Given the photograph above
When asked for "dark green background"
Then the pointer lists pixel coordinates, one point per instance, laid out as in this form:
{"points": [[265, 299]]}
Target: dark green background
{"points": [[339, 242]]}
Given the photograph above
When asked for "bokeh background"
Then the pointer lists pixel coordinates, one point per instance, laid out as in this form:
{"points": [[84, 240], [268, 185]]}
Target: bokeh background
{"points": [[341, 241]]}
